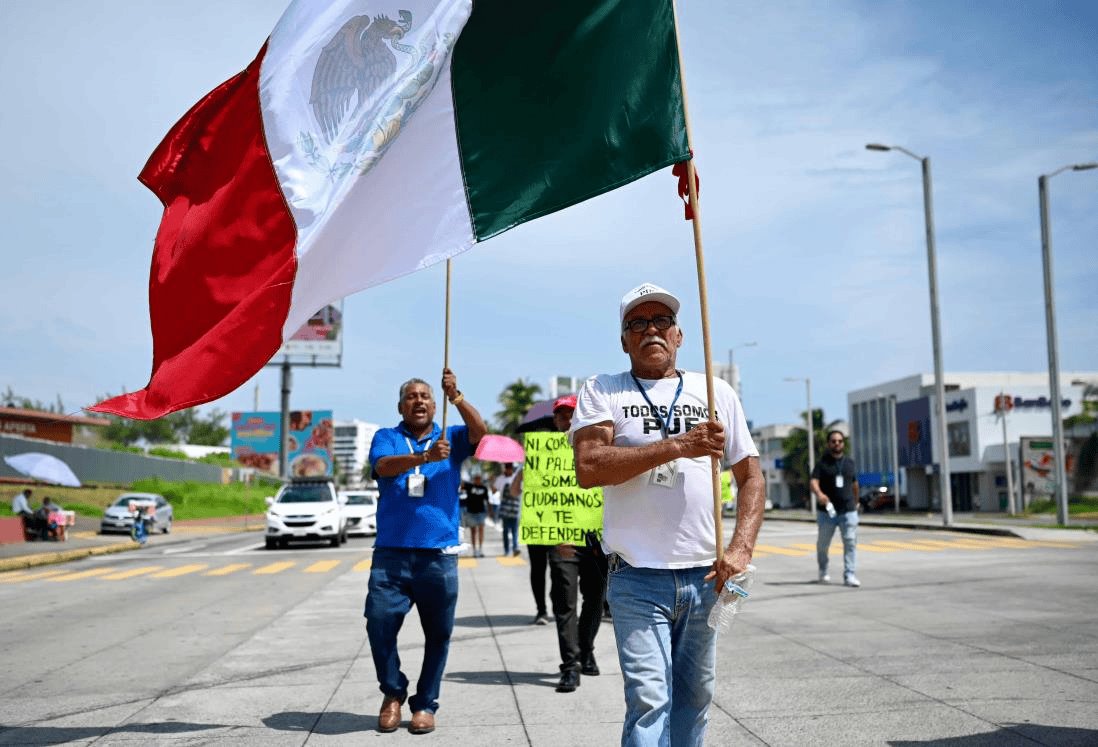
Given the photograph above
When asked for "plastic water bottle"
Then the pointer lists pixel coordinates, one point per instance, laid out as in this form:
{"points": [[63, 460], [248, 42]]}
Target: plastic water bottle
{"points": [[831, 509], [731, 599]]}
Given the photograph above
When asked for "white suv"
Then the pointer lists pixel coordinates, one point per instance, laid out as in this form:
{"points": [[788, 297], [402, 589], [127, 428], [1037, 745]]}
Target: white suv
{"points": [[306, 509]]}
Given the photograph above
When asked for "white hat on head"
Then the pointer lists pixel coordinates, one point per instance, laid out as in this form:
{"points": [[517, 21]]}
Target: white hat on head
{"points": [[643, 294]]}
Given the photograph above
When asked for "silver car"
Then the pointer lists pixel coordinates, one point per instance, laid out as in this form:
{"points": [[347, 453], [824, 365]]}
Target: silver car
{"points": [[118, 518]]}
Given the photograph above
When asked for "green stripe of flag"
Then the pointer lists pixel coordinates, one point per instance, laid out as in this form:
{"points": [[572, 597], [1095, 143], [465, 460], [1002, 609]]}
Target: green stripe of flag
{"points": [[557, 102]]}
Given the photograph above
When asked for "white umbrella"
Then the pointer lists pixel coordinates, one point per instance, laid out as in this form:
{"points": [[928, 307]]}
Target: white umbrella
{"points": [[43, 467]]}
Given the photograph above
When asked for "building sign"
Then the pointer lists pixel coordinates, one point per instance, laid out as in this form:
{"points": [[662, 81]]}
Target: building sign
{"points": [[321, 337], [1010, 402], [913, 432], [957, 405], [255, 439], [555, 508], [1039, 467]]}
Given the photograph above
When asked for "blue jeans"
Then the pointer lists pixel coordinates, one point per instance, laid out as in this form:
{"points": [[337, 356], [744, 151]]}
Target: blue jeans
{"points": [[400, 578], [666, 650], [510, 534], [847, 523]]}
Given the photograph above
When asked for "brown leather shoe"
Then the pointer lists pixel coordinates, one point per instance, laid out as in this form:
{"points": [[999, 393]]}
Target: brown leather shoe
{"points": [[423, 722], [389, 717]]}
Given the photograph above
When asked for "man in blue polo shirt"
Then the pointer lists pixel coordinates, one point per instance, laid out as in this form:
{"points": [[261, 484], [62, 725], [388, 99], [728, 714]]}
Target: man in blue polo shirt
{"points": [[418, 471]]}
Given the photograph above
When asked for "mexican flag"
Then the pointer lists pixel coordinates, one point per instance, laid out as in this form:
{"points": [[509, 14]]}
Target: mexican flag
{"points": [[373, 138]]}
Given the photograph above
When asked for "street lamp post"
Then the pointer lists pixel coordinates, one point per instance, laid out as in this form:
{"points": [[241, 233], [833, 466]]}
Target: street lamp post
{"points": [[944, 489], [811, 436], [1053, 345], [894, 442], [732, 368]]}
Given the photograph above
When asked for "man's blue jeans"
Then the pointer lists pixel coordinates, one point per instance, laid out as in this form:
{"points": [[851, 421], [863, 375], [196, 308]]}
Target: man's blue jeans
{"points": [[400, 578], [847, 524], [666, 650]]}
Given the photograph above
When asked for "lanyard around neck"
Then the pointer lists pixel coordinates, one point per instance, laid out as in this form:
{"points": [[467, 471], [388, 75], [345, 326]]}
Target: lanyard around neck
{"points": [[665, 423], [412, 448]]}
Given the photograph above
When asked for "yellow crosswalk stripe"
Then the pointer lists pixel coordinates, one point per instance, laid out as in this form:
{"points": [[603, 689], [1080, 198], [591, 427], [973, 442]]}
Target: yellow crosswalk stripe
{"points": [[467, 562], [131, 573], [871, 547], [274, 568], [907, 545], [225, 570], [82, 574], [20, 576], [322, 566], [182, 570], [511, 561], [362, 565], [774, 549]]}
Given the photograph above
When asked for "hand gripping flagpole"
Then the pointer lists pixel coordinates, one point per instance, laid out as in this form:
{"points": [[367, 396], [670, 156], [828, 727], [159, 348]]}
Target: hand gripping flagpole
{"points": [[446, 346], [703, 299]]}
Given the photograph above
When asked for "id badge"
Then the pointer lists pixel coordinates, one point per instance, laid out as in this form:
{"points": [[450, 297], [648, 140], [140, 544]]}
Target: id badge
{"points": [[664, 475], [417, 485], [838, 481]]}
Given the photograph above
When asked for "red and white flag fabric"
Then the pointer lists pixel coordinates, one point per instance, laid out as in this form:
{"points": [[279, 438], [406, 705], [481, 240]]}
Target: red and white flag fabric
{"points": [[372, 138]]}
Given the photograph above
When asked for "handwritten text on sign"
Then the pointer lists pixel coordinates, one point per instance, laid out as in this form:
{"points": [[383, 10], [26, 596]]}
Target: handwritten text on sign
{"points": [[555, 508]]}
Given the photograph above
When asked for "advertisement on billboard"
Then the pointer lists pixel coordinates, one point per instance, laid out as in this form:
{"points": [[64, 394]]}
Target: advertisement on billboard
{"points": [[913, 432], [319, 338], [1039, 467], [255, 438]]}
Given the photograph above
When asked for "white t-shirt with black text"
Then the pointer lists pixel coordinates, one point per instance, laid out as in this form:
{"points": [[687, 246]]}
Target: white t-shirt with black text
{"points": [[652, 526]]}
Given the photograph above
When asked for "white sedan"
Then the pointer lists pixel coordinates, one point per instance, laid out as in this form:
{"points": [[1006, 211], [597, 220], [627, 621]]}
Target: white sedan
{"points": [[360, 510]]}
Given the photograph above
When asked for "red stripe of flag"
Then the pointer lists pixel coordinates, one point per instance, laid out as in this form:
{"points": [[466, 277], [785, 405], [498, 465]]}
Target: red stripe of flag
{"points": [[223, 262]]}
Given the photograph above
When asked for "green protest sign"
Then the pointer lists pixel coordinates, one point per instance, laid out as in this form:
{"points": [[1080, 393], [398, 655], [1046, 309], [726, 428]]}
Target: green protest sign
{"points": [[555, 508]]}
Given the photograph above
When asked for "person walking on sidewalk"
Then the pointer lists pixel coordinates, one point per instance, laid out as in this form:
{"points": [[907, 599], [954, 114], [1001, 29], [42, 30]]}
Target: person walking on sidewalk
{"points": [[572, 571], [834, 483], [510, 508], [476, 512], [645, 436], [418, 470], [539, 563]]}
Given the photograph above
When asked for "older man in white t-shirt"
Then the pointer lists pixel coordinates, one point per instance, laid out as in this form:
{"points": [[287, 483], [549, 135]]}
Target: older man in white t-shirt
{"points": [[645, 436]]}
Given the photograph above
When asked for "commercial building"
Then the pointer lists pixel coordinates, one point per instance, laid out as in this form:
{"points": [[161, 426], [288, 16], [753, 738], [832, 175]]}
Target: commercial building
{"points": [[49, 426], [352, 449], [768, 440], [894, 429]]}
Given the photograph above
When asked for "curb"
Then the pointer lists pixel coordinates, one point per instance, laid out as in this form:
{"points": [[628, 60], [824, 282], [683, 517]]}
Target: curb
{"points": [[926, 527], [64, 556]]}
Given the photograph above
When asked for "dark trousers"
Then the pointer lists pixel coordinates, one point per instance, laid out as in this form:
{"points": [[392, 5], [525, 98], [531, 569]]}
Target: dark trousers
{"points": [[583, 573], [539, 559], [400, 578]]}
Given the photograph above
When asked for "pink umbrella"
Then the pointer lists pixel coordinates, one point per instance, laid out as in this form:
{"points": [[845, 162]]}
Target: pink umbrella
{"points": [[499, 449]]}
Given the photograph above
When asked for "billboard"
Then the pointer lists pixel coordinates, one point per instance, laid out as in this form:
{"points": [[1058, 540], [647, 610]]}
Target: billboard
{"points": [[319, 338], [255, 437], [1039, 467], [913, 432]]}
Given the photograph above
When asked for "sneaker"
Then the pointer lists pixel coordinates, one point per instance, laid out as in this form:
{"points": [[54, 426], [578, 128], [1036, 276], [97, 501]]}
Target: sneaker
{"points": [[569, 681], [825, 577], [852, 580], [541, 619]]}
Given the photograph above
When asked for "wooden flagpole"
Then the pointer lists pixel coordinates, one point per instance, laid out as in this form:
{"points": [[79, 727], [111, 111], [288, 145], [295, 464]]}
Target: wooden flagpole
{"points": [[703, 297], [446, 346]]}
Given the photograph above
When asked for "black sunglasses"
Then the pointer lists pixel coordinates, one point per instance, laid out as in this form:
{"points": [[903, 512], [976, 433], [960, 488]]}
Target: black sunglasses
{"points": [[638, 325]]}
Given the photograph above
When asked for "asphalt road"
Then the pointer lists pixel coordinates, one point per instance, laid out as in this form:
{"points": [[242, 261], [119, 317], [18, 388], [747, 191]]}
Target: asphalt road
{"points": [[953, 639]]}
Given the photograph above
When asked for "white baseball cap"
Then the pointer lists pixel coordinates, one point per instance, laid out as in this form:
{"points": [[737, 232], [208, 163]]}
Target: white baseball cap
{"points": [[645, 293]]}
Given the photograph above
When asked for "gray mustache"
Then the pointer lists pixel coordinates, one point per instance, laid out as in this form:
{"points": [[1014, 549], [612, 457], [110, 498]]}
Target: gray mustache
{"points": [[656, 339]]}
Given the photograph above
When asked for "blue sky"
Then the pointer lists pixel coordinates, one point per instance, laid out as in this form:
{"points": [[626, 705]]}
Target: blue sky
{"points": [[814, 247]]}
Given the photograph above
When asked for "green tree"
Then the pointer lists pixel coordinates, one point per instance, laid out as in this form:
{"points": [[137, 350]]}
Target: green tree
{"points": [[208, 430], [795, 446], [185, 426], [516, 398]]}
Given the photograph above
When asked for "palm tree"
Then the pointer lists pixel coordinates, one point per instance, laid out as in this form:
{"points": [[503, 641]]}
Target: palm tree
{"points": [[795, 446], [516, 398]]}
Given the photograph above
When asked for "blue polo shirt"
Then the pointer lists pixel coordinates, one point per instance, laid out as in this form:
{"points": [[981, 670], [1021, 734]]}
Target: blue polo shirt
{"points": [[430, 521]]}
